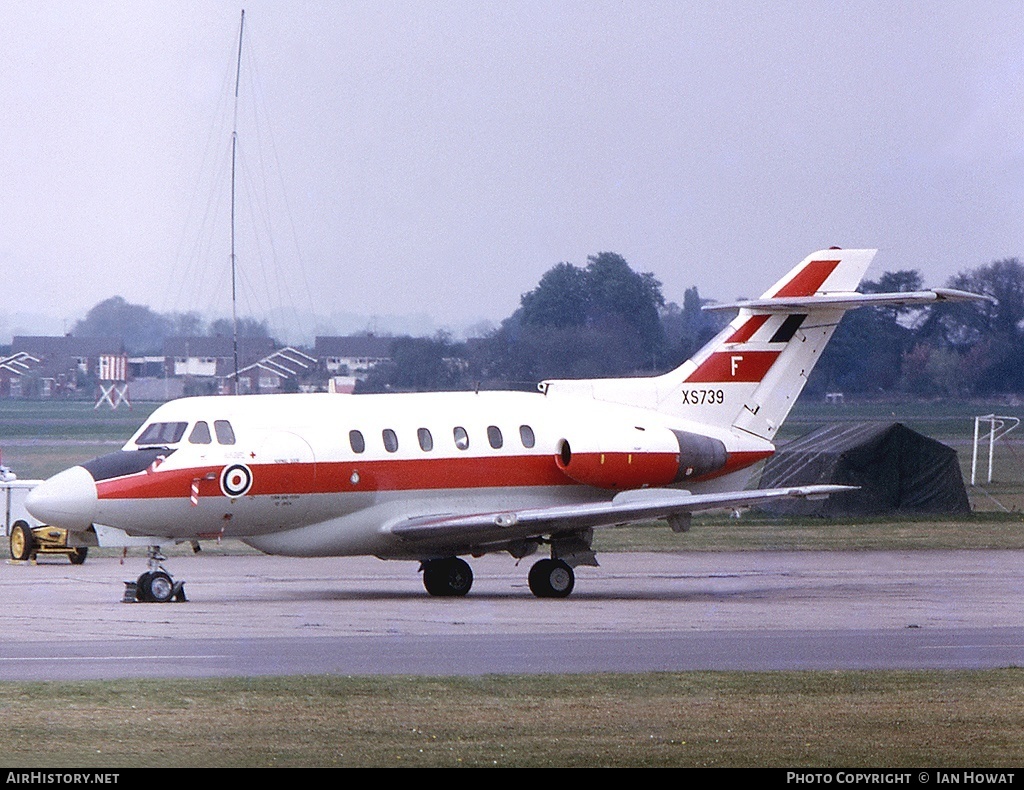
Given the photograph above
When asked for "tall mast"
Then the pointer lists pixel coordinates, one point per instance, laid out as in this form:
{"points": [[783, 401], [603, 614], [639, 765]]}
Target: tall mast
{"points": [[234, 147]]}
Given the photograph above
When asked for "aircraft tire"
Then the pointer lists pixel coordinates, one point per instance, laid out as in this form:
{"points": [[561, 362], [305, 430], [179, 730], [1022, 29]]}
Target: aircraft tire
{"points": [[21, 542], [77, 556], [551, 579], [154, 587], [448, 578], [142, 587], [161, 587]]}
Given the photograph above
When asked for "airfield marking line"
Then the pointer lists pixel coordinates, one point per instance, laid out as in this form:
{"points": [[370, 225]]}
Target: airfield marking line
{"points": [[969, 647], [107, 658]]}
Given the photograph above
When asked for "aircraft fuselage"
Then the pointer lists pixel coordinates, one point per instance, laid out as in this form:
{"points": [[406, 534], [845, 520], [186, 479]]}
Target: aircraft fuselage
{"points": [[335, 471]]}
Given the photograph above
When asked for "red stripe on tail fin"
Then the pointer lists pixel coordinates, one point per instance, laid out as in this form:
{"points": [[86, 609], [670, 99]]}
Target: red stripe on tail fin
{"points": [[808, 280], [745, 332], [726, 366]]}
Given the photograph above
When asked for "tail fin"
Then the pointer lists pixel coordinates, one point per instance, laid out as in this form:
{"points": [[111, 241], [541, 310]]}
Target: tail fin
{"points": [[749, 376]]}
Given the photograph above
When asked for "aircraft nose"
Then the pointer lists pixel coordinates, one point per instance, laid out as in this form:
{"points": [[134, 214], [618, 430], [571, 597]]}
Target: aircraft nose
{"points": [[67, 499]]}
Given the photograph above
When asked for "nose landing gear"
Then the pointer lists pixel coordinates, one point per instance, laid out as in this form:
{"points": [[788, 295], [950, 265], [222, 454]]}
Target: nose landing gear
{"points": [[155, 585]]}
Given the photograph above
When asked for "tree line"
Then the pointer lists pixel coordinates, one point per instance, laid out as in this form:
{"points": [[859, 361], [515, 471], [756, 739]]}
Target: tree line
{"points": [[605, 319], [946, 350], [602, 319], [143, 330]]}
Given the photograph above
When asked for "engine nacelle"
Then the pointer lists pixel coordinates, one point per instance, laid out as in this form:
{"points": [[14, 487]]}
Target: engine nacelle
{"points": [[635, 457]]}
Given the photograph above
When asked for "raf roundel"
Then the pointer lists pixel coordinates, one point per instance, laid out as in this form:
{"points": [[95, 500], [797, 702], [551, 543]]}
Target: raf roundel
{"points": [[236, 480]]}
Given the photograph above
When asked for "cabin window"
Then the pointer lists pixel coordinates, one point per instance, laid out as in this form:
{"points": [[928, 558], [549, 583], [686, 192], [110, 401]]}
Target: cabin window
{"points": [[461, 438], [355, 439], [224, 431], [162, 433], [494, 436], [426, 440], [527, 437], [200, 434], [390, 440]]}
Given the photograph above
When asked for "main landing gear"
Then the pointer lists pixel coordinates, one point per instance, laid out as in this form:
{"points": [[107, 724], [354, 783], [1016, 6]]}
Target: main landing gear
{"points": [[449, 578], [452, 577], [156, 584], [551, 579]]}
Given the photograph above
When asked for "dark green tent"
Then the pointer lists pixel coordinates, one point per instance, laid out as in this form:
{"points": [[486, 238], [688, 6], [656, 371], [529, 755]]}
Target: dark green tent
{"points": [[898, 471]]}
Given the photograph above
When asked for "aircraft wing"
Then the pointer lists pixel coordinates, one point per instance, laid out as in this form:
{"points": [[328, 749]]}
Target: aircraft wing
{"points": [[625, 508]]}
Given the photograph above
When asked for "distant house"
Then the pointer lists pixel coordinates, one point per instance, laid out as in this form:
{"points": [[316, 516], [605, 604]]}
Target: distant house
{"points": [[42, 366], [352, 355], [13, 369], [271, 373], [211, 360], [212, 356], [206, 365]]}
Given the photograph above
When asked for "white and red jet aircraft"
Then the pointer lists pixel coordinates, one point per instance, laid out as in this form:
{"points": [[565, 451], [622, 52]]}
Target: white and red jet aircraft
{"points": [[433, 476]]}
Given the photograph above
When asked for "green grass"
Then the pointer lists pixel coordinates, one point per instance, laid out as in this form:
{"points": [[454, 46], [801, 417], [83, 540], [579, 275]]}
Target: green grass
{"points": [[985, 530], [941, 419], [70, 420], [696, 719], [39, 438]]}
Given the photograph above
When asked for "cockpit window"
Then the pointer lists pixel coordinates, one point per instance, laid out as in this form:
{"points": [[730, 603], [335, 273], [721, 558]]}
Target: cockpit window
{"points": [[225, 434], [162, 433], [200, 434]]}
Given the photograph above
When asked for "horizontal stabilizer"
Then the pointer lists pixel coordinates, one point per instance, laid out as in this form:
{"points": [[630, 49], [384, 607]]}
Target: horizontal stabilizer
{"points": [[19, 485], [850, 300], [625, 508]]}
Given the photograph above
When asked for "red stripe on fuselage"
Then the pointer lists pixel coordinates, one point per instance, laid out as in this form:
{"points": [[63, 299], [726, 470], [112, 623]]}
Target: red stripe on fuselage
{"points": [[355, 475], [374, 475], [808, 280]]}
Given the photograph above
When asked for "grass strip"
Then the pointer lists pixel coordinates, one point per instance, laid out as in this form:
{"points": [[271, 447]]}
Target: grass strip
{"points": [[775, 719]]}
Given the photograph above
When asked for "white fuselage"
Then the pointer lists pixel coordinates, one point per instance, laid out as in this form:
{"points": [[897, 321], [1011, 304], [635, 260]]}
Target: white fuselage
{"points": [[322, 474]]}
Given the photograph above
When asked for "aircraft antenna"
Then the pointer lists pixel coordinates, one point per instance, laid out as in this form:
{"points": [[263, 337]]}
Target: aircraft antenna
{"points": [[234, 147]]}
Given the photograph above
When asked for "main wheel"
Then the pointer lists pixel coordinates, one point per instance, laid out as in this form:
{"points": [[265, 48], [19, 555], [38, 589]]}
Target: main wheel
{"points": [[154, 587], [451, 577], [551, 579], [22, 542], [77, 556]]}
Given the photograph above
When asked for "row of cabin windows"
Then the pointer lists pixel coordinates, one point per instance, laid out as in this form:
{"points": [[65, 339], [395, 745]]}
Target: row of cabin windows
{"points": [[426, 439], [171, 433]]}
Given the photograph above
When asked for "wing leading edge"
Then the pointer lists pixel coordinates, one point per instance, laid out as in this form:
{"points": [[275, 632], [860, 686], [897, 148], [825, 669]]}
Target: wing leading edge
{"points": [[625, 508]]}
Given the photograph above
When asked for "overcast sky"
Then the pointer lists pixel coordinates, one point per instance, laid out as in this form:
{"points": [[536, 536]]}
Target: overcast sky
{"points": [[438, 157]]}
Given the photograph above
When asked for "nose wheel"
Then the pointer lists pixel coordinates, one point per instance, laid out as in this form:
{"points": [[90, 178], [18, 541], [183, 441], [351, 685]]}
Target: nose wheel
{"points": [[155, 585]]}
